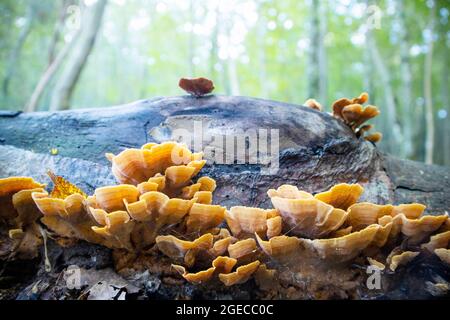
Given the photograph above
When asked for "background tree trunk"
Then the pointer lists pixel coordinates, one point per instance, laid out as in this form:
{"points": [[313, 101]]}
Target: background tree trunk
{"points": [[62, 92], [59, 27], [323, 66], [429, 135], [214, 45], [191, 44], [405, 99], [445, 85], [261, 43], [392, 131], [313, 56], [15, 52], [48, 75]]}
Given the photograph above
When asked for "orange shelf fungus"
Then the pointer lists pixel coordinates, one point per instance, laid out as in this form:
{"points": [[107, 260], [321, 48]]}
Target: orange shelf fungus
{"points": [[354, 114], [184, 250], [241, 275], [19, 214], [280, 247], [304, 215], [157, 209], [401, 259], [135, 166], [341, 196], [9, 187], [245, 221], [343, 248]]}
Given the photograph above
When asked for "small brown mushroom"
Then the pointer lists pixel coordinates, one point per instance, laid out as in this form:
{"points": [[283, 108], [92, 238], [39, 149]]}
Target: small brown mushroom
{"points": [[313, 104], [374, 137], [352, 113], [197, 86]]}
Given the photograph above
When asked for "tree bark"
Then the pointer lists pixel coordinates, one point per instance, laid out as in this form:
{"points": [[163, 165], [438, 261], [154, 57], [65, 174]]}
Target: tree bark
{"points": [[63, 91], [429, 136]]}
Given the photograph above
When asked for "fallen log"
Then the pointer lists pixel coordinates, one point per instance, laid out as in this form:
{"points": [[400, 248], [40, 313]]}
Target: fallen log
{"points": [[315, 152]]}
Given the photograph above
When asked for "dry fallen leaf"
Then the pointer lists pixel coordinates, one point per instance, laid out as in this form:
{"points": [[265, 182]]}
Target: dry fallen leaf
{"points": [[63, 188]]}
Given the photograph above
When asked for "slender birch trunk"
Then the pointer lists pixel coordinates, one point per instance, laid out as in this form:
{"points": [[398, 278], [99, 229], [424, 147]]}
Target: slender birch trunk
{"points": [[428, 95], [392, 134], [14, 56], [63, 91], [405, 99]]}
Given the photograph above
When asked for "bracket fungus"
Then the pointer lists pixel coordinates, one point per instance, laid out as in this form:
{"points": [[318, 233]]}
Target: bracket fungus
{"points": [[158, 210], [440, 245], [245, 221], [352, 112], [280, 247], [67, 217], [243, 249], [135, 166], [241, 275], [443, 254], [401, 259], [175, 248], [341, 196], [18, 215], [220, 265], [305, 215], [11, 196]]}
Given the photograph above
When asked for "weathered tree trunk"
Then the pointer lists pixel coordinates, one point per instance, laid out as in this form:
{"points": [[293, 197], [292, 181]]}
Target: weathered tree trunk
{"points": [[62, 92], [428, 95]]}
